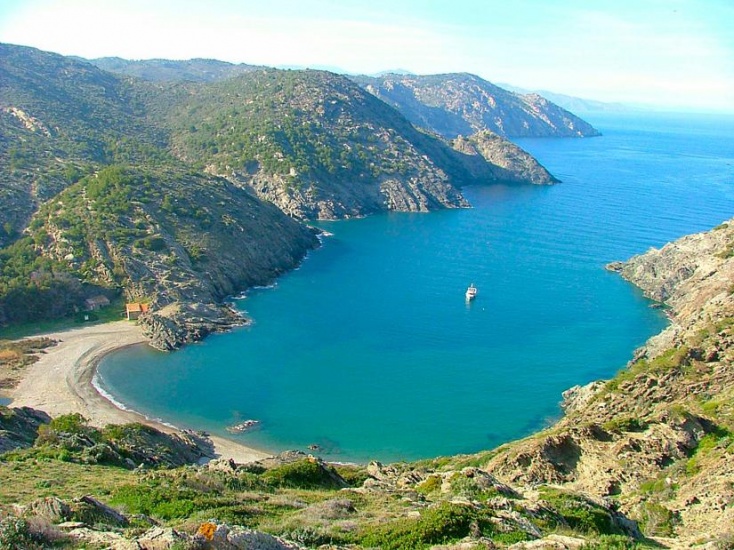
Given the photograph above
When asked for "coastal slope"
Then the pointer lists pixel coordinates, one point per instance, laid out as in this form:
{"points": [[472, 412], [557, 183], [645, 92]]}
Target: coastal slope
{"points": [[463, 104], [657, 438]]}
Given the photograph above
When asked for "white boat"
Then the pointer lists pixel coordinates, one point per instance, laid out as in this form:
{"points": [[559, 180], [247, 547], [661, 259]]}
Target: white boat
{"points": [[471, 292]]}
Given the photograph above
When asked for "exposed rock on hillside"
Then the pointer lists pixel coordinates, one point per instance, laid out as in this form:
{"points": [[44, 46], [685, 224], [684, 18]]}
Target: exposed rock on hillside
{"points": [[463, 104], [505, 161], [19, 427], [180, 242], [658, 437], [318, 146]]}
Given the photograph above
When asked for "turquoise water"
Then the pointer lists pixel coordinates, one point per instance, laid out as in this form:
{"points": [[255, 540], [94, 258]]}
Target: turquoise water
{"points": [[369, 349]]}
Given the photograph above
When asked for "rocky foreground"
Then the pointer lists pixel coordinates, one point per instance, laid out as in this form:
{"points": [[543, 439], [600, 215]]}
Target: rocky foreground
{"points": [[645, 460]]}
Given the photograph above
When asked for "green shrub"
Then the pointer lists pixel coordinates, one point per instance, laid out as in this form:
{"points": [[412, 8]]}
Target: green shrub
{"points": [[656, 520], [355, 476], [15, 533], [437, 525], [161, 502], [581, 514], [154, 243], [611, 542], [73, 423], [429, 485], [625, 424], [303, 474]]}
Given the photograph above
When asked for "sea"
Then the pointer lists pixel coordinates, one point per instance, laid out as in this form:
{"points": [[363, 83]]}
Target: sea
{"points": [[369, 351]]}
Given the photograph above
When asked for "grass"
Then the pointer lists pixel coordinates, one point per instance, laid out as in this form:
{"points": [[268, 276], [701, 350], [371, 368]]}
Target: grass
{"points": [[24, 481], [113, 312]]}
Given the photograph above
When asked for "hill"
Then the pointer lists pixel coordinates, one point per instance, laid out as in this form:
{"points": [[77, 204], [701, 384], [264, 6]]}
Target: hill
{"points": [[318, 146], [573, 103], [449, 104], [463, 104], [163, 70], [60, 118]]}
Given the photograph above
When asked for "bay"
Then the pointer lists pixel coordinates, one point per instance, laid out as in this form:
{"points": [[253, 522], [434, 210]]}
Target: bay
{"points": [[369, 350]]}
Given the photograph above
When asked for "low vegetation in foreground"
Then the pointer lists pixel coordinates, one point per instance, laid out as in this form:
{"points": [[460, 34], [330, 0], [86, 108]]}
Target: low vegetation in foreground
{"points": [[79, 486]]}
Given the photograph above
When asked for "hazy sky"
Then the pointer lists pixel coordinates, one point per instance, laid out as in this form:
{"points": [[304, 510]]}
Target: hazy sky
{"points": [[672, 53]]}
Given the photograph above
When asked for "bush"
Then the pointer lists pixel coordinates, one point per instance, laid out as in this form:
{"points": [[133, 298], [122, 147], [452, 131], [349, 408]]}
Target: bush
{"points": [[656, 520], [73, 423], [303, 474], [15, 534], [437, 525], [581, 514], [154, 243], [165, 503]]}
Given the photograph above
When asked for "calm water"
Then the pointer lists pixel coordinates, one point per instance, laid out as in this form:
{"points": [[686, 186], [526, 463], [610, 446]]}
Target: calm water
{"points": [[369, 349]]}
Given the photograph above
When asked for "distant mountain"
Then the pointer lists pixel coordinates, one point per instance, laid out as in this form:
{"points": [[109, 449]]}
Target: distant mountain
{"points": [[162, 70], [449, 105], [463, 104], [572, 103]]}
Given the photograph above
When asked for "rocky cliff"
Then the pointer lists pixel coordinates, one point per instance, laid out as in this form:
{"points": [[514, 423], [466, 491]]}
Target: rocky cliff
{"points": [[488, 156], [319, 146], [656, 439], [464, 104]]}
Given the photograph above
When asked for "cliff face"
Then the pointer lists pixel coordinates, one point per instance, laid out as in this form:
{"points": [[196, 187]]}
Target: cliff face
{"points": [[464, 104], [501, 160], [657, 438]]}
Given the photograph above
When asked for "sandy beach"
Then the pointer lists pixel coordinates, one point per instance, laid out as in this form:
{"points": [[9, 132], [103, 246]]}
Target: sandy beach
{"points": [[61, 382]]}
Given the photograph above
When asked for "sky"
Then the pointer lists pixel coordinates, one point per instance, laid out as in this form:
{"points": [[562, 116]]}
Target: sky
{"points": [[675, 54]]}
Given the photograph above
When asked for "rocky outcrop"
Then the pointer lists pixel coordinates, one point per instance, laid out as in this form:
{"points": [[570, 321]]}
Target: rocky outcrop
{"points": [[655, 438], [171, 326], [19, 427], [504, 161]]}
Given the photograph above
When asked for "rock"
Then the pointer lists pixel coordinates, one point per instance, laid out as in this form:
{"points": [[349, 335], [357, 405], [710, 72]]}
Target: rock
{"points": [[223, 537], [551, 542], [578, 396], [92, 512], [19, 427], [222, 465], [51, 508], [160, 538]]}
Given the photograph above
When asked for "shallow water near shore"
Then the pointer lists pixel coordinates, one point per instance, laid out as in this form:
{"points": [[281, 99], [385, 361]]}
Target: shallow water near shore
{"points": [[369, 350]]}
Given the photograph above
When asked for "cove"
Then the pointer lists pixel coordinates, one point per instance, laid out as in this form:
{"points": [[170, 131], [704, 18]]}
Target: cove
{"points": [[369, 349]]}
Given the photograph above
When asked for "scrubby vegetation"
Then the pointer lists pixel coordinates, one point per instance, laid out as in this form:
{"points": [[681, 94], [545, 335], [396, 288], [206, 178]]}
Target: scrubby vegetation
{"points": [[297, 497]]}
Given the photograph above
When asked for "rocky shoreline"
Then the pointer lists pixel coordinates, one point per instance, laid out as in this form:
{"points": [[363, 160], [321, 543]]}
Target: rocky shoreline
{"points": [[638, 438]]}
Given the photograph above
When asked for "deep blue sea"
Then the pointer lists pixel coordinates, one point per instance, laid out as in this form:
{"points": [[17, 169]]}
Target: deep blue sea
{"points": [[369, 349]]}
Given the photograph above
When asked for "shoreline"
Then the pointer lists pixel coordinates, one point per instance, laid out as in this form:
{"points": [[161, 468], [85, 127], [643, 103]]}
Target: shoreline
{"points": [[62, 382]]}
